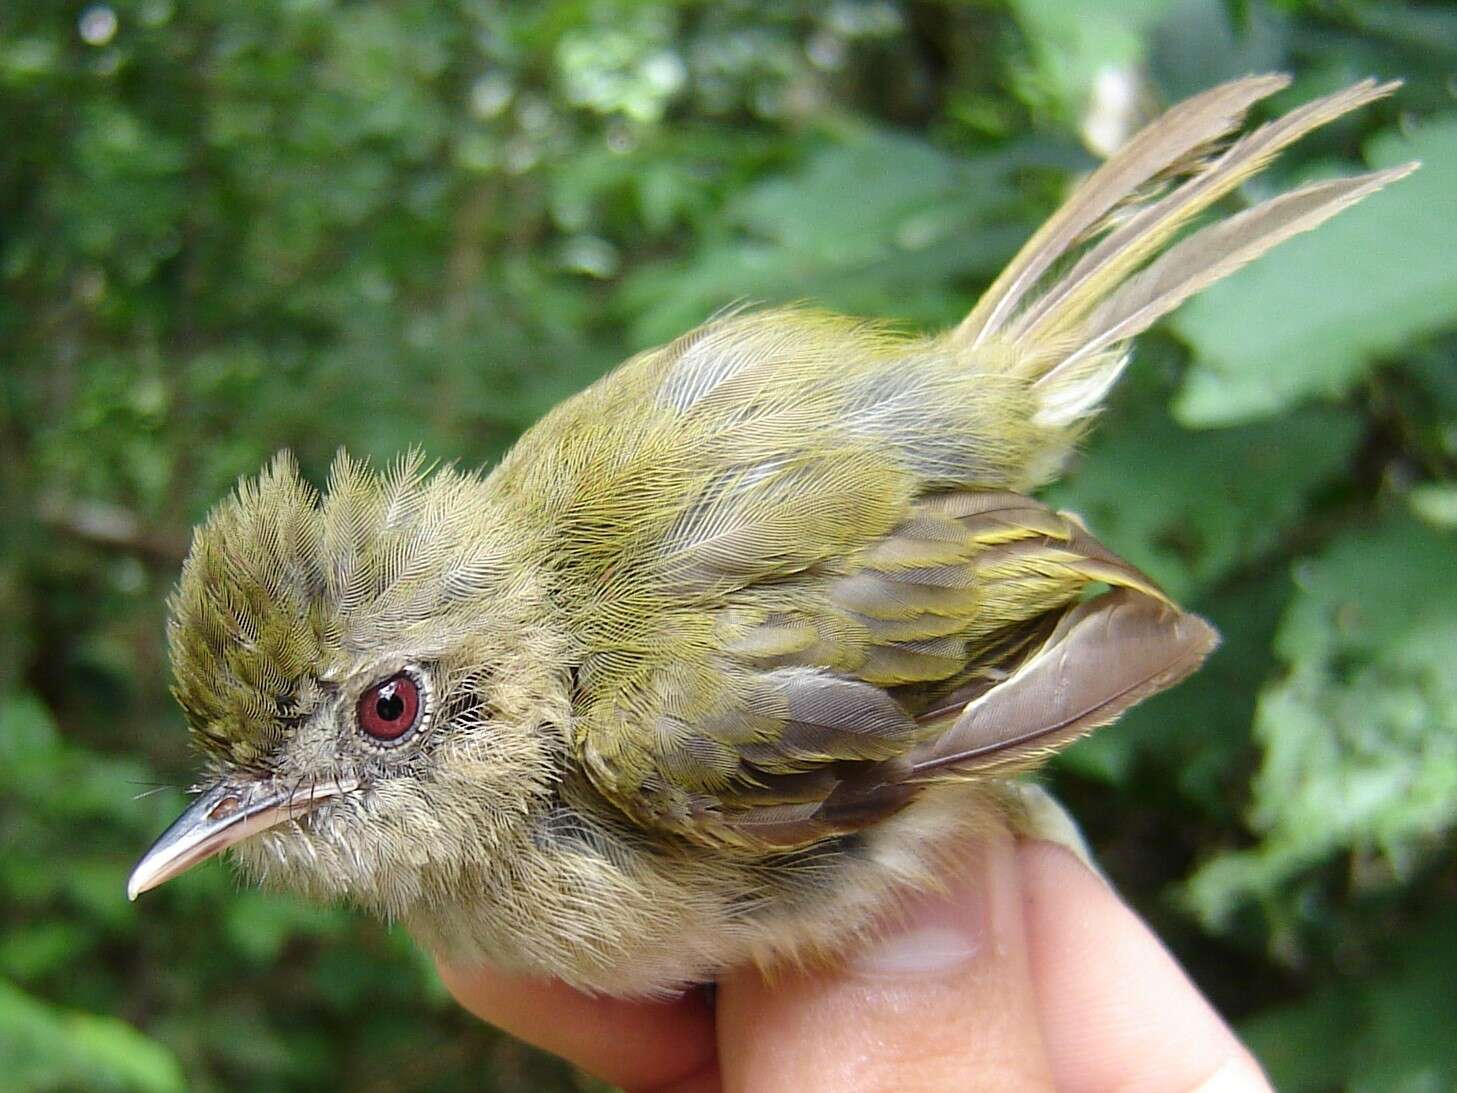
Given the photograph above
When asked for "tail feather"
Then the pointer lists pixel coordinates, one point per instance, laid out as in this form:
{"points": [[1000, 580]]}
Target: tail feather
{"points": [[1183, 132], [1071, 334], [1123, 250], [1217, 251]]}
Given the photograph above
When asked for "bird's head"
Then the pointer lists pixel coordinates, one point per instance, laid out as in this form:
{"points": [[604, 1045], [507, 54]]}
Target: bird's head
{"points": [[367, 672]]}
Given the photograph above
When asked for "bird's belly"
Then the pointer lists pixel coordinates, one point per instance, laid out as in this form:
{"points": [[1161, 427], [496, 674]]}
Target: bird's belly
{"points": [[651, 922]]}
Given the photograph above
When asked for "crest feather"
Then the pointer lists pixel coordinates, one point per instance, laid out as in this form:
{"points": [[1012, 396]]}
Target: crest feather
{"points": [[283, 585]]}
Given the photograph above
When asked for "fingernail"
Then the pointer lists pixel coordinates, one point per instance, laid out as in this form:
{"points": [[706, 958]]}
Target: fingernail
{"points": [[1238, 1075], [934, 933]]}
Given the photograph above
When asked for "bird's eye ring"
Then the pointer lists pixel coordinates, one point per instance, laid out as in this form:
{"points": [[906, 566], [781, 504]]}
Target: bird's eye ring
{"points": [[393, 709]]}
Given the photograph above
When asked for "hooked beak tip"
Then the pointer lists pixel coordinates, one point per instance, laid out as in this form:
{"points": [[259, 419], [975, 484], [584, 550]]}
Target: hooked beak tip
{"points": [[222, 816]]}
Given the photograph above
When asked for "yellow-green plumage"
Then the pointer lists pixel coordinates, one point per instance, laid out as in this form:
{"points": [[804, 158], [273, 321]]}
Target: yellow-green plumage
{"points": [[750, 503], [714, 653]]}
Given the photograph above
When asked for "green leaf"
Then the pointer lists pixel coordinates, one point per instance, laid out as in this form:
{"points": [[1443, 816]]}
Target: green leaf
{"points": [[49, 1048], [1308, 319], [260, 924], [1197, 45], [1073, 43], [1384, 1032], [1188, 507], [1436, 503], [27, 732], [877, 223], [1360, 737]]}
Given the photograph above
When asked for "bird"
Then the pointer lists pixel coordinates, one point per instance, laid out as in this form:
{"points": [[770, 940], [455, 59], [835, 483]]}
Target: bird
{"points": [[732, 650]]}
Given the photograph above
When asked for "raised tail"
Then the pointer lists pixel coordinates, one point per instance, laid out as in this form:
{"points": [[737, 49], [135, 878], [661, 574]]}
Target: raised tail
{"points": [[1106, 265]]}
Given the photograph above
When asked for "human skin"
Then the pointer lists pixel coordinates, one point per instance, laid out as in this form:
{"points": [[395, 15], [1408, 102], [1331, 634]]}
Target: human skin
{"points": [[1028, 973]]}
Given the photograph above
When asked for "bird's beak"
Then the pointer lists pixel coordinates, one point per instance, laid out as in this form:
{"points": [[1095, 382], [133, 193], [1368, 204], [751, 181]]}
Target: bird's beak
{"points": [[223, 815]]}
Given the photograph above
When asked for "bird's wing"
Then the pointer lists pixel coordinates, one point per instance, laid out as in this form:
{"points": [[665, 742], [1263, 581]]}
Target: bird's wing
{"points": [[955, 646], [791, 549]]}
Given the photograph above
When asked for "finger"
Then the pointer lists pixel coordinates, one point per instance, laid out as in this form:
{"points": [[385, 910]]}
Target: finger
{"points": [[1117, 1011], [636, 1045], [942, 1002]]}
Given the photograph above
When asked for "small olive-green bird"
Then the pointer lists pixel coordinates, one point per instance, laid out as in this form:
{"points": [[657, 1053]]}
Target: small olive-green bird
{"points": [[734, 644]]}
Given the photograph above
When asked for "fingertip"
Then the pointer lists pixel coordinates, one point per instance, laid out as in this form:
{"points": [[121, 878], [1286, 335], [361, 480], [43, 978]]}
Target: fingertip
{"points": [[638, 1045], [1118, 1012], [1240, 1074]]}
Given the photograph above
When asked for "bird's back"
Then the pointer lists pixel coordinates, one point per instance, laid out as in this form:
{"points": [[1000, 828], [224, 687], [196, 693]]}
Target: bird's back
{"points": [[765, 443]]}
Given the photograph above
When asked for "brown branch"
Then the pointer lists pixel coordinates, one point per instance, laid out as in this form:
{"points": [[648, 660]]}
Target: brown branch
{"points": [[101, 523]]}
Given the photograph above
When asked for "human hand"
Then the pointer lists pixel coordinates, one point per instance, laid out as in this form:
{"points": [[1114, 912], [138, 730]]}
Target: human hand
{"points": [[1030, 974]]}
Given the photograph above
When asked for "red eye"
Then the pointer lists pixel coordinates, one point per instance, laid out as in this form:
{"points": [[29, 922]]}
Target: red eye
{"points": [[389, 710]]}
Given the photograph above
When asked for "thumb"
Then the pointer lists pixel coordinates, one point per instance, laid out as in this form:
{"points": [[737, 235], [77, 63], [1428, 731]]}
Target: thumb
{"points": [[943, 1001]]}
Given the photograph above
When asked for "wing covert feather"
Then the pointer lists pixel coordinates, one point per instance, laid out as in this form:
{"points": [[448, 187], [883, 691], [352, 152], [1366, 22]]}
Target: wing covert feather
{"points": [[956, 646]]}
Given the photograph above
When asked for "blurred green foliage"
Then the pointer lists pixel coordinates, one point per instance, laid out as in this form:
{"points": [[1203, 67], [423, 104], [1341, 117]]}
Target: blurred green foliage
{"points": [[229, 228]]}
